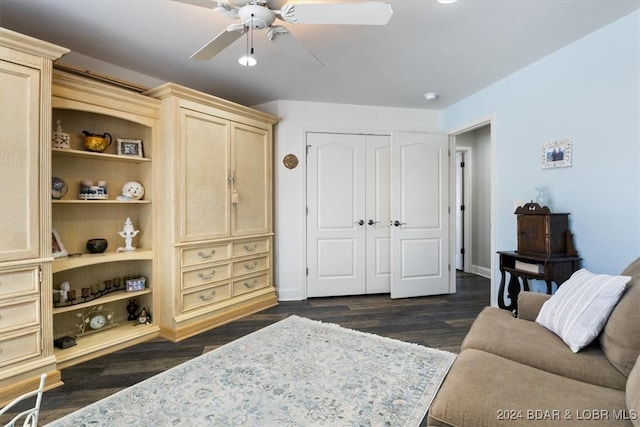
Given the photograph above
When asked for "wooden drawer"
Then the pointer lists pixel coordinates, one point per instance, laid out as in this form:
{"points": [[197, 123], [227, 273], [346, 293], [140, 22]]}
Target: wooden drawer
{"points": [[204, 275], [252, 265], [250, 284], [206, 296], [19, 314], [19, 281], [251, 247], [17, 347], [207, 253]]}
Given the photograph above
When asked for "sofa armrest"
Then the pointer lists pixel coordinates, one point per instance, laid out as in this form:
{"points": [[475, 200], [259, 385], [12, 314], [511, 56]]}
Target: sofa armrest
{"points": [[529, 304]]}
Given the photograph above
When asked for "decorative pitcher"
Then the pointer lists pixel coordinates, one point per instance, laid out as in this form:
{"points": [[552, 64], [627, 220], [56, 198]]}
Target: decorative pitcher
{"points": [[97, 143]]}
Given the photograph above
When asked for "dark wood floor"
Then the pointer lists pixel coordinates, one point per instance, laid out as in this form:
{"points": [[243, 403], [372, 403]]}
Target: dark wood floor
{"points": [[438, 321]]}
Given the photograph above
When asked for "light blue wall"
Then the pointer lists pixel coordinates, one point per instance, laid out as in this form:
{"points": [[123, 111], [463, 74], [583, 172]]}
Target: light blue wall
{"points": [[590, 91]]}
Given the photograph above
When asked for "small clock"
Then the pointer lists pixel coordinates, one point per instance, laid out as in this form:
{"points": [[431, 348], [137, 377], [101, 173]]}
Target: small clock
{"points": [[98, 321], [94, 319]]}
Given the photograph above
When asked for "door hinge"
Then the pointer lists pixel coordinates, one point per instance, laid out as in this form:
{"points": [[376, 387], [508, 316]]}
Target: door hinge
{"points": [[461, 164], [462, 251], [307, 210], [308, 147], [462, 207], [40, 275], [307, 271]]}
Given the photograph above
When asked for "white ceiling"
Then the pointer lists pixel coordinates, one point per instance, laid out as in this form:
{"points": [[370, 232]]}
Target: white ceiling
{"points": [[454, 50]]}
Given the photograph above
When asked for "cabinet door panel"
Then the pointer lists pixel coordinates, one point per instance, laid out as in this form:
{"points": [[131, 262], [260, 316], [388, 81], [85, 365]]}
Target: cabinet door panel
{"points": [[251, 162], [19, 161], [204, 177]]}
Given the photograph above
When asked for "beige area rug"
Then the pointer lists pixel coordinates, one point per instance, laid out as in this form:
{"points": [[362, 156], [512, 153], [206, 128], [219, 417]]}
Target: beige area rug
{"points": [[296, 372]]}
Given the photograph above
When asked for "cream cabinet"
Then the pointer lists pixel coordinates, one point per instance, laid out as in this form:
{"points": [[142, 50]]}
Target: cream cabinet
{"points": [[215, 222], [26, 347], [98, 281]]}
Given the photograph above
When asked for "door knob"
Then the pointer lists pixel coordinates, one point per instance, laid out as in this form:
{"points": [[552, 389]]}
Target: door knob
{"points": [[371, 222], [361, 222], [398, 223]]}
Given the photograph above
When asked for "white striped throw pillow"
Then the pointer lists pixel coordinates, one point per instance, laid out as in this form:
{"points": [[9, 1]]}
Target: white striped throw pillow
{"points": [[579, 309]]}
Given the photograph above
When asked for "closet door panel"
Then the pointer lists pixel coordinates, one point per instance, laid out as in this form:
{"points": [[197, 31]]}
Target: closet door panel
{"points": [[336, 224], [378, 213]]}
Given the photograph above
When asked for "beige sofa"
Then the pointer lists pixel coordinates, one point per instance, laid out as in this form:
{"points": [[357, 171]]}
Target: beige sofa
{"points": [[512, 371]]}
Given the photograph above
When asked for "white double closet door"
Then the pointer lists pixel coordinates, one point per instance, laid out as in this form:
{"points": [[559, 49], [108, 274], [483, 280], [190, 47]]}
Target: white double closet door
{"points": [[377, 214]]}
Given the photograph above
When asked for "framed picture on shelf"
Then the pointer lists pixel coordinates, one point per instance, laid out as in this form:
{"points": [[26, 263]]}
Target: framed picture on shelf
{"points": [[137, 284], [57, 248], [130, 147]]}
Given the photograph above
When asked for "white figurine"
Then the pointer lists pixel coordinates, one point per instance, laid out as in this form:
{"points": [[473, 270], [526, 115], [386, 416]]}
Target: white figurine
{"points": [[64, 290], [128, 233]]}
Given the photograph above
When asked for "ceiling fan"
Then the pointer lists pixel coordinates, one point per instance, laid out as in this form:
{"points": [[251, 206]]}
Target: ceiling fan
{"points": [[262, 14]]}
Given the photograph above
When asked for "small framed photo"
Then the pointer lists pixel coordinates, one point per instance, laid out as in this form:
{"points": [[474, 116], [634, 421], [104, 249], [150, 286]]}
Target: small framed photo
{"points": [[557, 154], [57, 248], [137, 284], [130, 147]]}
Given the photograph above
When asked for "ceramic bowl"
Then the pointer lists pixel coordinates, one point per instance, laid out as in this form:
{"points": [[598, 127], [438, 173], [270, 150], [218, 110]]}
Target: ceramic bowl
{"points": [[97, 246]]}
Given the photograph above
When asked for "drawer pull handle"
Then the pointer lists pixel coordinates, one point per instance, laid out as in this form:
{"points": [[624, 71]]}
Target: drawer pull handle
{"points": [[251, 248], [205, 277], [251, 284], [251, 266], [205, 256], [207, 297]]}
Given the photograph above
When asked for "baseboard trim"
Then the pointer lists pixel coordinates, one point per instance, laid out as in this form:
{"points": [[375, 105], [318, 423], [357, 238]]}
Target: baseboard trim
{"points": [[481, 271], [219, 318]]}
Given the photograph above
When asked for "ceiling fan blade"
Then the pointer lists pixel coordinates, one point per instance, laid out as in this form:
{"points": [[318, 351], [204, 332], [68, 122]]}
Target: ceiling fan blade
{"points": [[305, 59], [365, 13], [209, 4], [217, 45]]}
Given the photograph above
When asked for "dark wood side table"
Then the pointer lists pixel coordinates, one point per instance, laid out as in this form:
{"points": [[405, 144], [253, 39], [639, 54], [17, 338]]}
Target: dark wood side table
{"points": [[523, 267]]}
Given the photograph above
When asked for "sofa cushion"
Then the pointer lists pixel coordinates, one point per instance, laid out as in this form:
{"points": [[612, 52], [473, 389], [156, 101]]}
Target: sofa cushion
{"points": [[483, 389], [620, 339], [497, 331], [633, 394], [530, 303], [579, 309]]}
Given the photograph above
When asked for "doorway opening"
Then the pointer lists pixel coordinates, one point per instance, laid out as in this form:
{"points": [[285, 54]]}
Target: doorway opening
{"points": [[473, 188]]}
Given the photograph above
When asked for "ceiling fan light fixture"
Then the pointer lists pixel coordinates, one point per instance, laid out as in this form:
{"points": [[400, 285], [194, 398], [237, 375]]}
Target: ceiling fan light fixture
{"points": [[446, 1], [247, 61]]}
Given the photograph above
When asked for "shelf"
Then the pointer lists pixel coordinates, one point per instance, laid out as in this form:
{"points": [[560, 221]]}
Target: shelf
{"points": [[114, 296], [84, 260], [104, 342], [97, 202], [98, 156]]}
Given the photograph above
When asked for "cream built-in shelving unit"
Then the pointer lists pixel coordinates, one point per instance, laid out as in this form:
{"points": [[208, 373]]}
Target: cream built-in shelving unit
{"points": [[82, 104]]}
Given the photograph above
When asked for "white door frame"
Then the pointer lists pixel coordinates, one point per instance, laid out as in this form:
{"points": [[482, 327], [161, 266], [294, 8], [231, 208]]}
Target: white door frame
{"points": [[468, 206], [488, 120]]}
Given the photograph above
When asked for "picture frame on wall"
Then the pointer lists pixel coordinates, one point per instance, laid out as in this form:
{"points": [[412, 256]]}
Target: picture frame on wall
{"points": [[557, 154], [57, 248], [130, 147]]}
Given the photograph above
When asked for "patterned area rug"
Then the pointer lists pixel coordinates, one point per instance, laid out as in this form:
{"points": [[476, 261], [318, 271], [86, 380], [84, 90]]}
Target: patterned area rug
{"points": [[296, 372]]}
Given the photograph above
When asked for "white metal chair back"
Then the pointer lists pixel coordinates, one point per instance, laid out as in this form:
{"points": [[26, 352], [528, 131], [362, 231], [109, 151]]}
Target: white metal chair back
{"points": [[30, 415]]}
